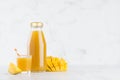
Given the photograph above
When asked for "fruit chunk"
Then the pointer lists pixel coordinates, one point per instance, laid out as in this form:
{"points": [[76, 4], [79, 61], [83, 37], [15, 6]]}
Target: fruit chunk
{"points": [[63, 65], [13, 69], [55, 64]]}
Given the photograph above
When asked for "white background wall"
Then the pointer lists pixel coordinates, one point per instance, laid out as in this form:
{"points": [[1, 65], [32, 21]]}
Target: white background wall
{"points": [[85, 32]]}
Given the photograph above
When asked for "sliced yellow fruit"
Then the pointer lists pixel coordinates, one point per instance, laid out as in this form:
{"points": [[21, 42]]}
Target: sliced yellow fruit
{"points": [[52, 64], [56, 64], [48, 69], [13, 69], [49, 64]]}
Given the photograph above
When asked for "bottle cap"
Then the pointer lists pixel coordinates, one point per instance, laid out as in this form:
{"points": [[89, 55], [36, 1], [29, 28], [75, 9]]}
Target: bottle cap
{"points": [[36, 24]]}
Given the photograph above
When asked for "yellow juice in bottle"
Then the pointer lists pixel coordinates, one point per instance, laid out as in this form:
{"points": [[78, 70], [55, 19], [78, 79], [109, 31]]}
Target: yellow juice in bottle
{"points": [[37, 48]]}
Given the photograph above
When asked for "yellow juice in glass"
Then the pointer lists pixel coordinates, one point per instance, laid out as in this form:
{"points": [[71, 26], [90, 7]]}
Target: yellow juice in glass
{"points": [[24, 62]]}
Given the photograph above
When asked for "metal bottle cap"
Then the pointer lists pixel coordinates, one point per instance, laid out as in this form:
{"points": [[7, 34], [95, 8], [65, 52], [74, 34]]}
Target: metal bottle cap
{"points": [[36, 24]]}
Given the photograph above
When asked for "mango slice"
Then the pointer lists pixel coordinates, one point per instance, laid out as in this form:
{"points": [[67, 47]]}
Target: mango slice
{"points": [[55, 64], [13, 69]]}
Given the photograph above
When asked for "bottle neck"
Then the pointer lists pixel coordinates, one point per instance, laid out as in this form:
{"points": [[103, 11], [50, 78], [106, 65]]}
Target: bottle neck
{"points": [[36, 28]]}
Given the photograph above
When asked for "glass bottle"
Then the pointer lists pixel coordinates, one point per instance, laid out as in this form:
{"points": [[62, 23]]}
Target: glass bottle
{"points": [[37, 47]]}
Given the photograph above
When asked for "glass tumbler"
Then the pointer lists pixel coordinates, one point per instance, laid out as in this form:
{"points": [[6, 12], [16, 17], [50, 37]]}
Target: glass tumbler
{"points": [[24, 63]]}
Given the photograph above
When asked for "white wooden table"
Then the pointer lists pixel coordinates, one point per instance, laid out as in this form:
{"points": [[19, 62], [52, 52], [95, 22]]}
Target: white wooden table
{"points": [[74, 73]]}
